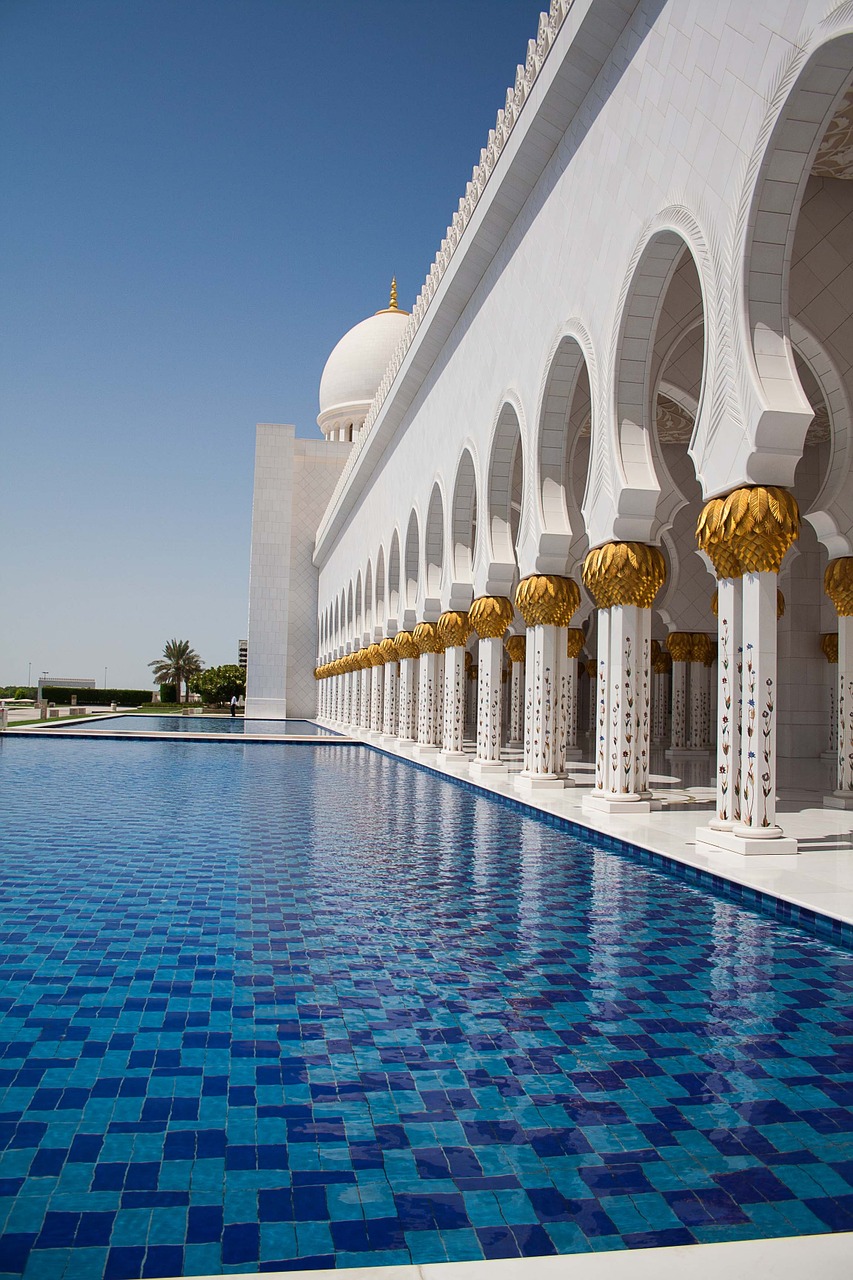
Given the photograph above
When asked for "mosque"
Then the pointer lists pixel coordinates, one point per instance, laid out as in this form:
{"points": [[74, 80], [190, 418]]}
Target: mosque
{"points": [[592, 497]]}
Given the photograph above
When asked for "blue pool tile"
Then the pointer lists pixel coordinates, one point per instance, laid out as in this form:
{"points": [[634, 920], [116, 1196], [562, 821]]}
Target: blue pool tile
{"points": [[296, 1060]]}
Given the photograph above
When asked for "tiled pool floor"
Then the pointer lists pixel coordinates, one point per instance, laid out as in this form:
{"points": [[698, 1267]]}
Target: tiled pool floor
{"points": [[262, 1009]]}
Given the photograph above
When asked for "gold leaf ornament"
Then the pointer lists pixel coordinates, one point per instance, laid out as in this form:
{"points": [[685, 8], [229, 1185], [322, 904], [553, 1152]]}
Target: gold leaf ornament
{"points": [[710, 537], [679, 645], [829, 646], [388, 650], [838, 585], [490, 616], [516, 647], [453, 629], [574, 642], [546, 599], [405, 645], [427, 638], [759, 523], [622, 573]]}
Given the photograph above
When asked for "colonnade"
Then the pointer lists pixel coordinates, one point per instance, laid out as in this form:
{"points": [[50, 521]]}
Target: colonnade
{"points": [[411, 687]]}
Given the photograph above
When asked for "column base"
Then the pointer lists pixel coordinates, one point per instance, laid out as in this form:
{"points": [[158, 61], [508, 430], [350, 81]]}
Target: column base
{"points": [[452, 757], [480, 767], [747, 846], [389, 740], [424, 749], [603, 803], [539, 782], [839, 800]]}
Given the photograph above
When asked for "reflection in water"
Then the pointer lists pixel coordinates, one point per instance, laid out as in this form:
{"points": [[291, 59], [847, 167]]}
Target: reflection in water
{"points": [[360, 979]]}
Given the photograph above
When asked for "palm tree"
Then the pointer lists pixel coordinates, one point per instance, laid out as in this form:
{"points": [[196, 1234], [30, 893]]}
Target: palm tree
{"points": [[177, 665]]}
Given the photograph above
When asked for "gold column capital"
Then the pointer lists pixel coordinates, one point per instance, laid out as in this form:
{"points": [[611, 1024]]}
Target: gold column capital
{"points": [[574, 642], [453, 629], [624, 573], [829, 646], [838, 585], [546, 599], [700, 648], [426, 638], [374, 656], [490, 616], [388, 649], [405, 645], [679, 645], [710, 539], [516, 647], [759, 523]]}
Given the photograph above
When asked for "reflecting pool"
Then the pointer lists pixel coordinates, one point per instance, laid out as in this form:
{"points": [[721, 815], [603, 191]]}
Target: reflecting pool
{"points": [[315, 1005], [152, 723]]}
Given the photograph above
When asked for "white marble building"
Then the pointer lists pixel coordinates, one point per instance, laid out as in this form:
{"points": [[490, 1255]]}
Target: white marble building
{"points": [[624, 387]]}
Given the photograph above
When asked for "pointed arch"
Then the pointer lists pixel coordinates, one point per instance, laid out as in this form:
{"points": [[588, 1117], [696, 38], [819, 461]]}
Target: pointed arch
{"points": [[505, 501], [412, 562], [394, 577], [368, 603], [433, 555], [565, 414], [463, 532], [380, 588]]}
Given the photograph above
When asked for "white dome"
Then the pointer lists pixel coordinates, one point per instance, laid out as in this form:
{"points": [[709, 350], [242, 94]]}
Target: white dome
{"points": [[355, 368]]}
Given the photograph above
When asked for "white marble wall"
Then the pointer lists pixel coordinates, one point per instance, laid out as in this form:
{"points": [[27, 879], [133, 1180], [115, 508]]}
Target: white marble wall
{"points": [[293, 482]]}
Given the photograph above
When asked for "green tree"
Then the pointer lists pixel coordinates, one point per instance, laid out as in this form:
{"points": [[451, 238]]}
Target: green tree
{"points": [[219, 684], [177, 666]]}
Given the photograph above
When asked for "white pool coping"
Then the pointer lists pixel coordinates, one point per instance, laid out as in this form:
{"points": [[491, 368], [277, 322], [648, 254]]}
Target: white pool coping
{"points": [[824, 1257]]}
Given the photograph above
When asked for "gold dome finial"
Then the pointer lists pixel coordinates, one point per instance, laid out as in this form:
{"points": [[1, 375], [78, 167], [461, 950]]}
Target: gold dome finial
{"points": [[393, 308]]}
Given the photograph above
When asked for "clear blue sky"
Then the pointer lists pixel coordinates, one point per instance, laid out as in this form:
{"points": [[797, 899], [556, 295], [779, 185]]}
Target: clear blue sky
{"points": [[199, 198]]}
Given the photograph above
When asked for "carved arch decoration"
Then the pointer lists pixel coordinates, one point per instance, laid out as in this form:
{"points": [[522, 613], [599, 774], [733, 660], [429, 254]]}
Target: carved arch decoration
{"points": [[394, 579], [629, 493], [831, 513], [411, 568], [463, 523], [507, 505], [358, 611], [560, 535], [803, 100], [433, 565], [379, 613], [368, 604]]}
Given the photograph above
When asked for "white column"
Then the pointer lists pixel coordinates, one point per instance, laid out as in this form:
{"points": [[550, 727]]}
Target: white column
{"points": [[516, 704], [546, 726], [758, 723], [364, 699], [842, 797], [377, 680], [389, 716], [628, 720], [696, 731], [756, 832], [729, 641], [833, 717], [405, 715], [678, 737], [599, 695], [573, 751], [660, 702], [427, 702], [489, 669], [453, 725]]}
